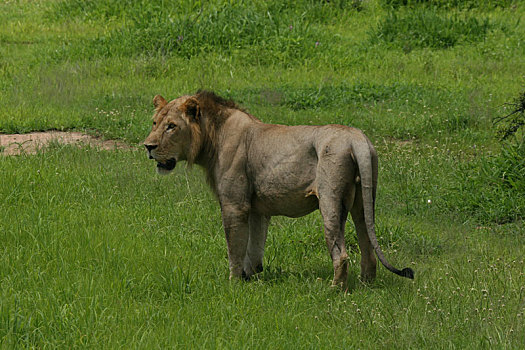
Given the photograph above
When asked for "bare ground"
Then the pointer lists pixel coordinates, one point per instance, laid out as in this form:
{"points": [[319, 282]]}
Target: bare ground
{"points": [[15, 144]]}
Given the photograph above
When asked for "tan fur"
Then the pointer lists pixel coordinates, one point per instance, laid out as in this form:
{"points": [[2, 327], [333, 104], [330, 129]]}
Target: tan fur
{"points": [[260, 170]]}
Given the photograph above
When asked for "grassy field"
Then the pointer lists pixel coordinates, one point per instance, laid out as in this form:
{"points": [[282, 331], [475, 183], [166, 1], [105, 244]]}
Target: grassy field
{"points": [[97, 251]]}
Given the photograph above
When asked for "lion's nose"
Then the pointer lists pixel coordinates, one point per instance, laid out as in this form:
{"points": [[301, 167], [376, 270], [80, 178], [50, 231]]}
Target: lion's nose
{"points": [[150, 147]]}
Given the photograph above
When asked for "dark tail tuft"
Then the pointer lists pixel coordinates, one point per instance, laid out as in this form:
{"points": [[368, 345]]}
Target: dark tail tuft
{"points": [[406, 272]]}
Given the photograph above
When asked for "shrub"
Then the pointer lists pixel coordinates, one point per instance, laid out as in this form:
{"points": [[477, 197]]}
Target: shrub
{"points": [[515, 120]]}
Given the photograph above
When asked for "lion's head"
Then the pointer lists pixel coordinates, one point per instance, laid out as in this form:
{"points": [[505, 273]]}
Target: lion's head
{"points": [[175, 134], [187, 129]]}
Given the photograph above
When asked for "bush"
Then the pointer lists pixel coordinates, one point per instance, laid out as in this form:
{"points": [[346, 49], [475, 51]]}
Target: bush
{"points": [[511, 123]]}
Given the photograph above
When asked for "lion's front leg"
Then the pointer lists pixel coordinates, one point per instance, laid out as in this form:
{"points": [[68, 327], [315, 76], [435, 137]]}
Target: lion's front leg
{"points": [[258, 228], [235, 222]]}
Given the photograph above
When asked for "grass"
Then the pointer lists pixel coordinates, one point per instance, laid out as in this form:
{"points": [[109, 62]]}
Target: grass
{"points": [[493, 192], [99, 252], [89, 262], [158, 28], [451, 4], [427, 28]]}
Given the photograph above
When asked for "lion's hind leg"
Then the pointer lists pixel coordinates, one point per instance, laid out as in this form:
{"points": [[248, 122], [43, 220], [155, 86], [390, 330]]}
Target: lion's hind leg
{"points": [[368, 258], [334, 217]]}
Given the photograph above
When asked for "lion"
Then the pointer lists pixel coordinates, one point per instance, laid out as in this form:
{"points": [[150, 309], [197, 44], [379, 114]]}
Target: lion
{"points": [[259, 170]]}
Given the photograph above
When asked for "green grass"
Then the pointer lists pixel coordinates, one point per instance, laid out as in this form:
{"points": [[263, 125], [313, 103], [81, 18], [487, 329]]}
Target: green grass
{"points": [[97, 251], [451, 4], [427, 28]]}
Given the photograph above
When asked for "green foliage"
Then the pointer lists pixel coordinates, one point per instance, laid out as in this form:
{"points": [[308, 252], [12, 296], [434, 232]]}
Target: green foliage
{"points": [[491, 188], [84, 257], [339, 96], [262, 32], [450, 4], [513, 122], [300, 98], [422, 28], [96, 10], [98, 252], [430, 111]]}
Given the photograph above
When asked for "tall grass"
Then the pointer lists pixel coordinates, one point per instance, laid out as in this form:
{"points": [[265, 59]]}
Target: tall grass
{"points": [[490, 189], [492, 186], [98, 252], [429, 28], [430, 113], [262, 32], [451, 4]]}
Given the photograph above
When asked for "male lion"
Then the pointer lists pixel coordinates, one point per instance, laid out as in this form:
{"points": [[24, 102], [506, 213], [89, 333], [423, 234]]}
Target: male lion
{"points": [[260, 170]]}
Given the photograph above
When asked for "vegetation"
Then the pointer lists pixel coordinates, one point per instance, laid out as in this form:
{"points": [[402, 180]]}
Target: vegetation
{"points": [[428, 28], [97, 251], [451, 4]]}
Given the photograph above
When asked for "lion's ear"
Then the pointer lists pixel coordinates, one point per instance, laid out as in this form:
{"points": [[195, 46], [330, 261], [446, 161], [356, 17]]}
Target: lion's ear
{"points": [[159, 102], [191, 109]]}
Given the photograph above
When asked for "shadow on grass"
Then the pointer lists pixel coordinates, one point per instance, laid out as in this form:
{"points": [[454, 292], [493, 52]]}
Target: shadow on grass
{"points": [[323, 274]]}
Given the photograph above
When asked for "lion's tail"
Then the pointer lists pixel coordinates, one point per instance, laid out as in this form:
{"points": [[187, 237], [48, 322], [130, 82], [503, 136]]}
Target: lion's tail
{"points": [[364, 157]]}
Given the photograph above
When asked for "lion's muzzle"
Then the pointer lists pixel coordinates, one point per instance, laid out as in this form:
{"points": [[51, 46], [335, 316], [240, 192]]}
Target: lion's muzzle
{"points": [[169, 165], [163, 167]]}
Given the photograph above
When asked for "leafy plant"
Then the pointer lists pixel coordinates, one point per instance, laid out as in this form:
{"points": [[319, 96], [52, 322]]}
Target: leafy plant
{"points": [[513, 121]]}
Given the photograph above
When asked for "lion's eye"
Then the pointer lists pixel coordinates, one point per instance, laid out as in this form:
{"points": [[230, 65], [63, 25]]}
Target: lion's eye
{"points": [[154, 123], [171, 126]]}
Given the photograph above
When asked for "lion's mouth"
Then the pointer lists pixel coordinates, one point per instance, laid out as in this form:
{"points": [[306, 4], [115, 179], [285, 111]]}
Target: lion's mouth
{"points": [[169, 165]]}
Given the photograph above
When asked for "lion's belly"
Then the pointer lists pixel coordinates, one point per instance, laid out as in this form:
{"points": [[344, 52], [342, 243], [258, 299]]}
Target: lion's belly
{"points": [[283, 178], [283, 166], [286, 204], [285, 191]]}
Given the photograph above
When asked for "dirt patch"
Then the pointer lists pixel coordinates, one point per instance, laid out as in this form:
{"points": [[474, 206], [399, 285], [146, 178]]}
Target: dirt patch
{"points": [[15, 144]]}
